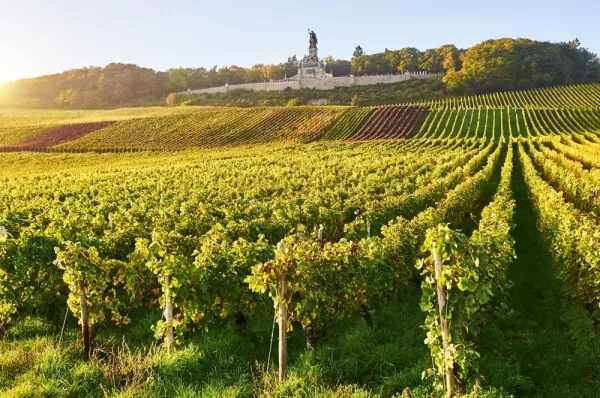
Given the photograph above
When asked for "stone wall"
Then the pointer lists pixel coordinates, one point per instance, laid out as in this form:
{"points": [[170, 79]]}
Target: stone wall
{"points": [[266, 86], [320, 101], [318, 84]]}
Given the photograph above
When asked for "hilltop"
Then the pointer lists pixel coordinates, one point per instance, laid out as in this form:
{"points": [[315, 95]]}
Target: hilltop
{"points": [[490, 66]]}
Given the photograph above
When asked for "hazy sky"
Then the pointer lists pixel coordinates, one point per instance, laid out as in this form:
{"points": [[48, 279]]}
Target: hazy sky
{"points": [[41, 37]]}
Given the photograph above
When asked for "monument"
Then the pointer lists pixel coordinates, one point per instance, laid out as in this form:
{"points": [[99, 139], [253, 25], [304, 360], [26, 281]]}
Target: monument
{"points": [[311, 66]]}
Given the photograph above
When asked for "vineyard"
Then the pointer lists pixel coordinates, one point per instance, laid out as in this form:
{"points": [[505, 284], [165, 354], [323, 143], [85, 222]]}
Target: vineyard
{"points": [[59, 135], [329, 256], [508, 122], [223, 127], [348, 124], [161, 129], [529, 113], [577, 96], [390, 122]]}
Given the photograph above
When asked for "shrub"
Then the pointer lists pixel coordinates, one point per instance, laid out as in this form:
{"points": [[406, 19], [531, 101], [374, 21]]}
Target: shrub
{"points": [[171, 99]]}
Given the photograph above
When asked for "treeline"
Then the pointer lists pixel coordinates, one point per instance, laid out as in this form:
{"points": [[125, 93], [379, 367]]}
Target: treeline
{"points": [[407, 60], [118, 85], [180, 79], [88, 88], [492, 65], [509, 64]]}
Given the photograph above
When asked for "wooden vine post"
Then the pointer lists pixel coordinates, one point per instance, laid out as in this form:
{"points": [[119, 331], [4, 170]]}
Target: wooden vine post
{"points": [[85, 318], [169, 335], [85, 321], [321, 238], [283, 317], [441, 295]]}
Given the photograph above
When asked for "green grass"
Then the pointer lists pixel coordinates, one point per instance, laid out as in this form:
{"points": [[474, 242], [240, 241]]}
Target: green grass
{"points": [[353, 360], [226, 361], [544, 345]]}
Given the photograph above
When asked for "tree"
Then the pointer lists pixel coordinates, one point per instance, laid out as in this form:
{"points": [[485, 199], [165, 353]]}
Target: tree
{"points": [[272, 72], [508, 64], [328, 60], [178, 79], [429, 60], [406, 59], [171, 99], [290, 68], [358, 52], [66, 97], [338, 67], [361, 65], [451, 78], [254, 74], [433, 60]]}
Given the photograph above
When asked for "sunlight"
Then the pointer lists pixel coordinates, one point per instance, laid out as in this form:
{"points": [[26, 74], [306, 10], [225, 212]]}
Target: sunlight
{"points": [[10, 72]]}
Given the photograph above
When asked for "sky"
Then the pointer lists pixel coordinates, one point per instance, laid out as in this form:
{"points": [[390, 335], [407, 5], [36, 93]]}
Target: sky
{"points": [[43, 37]]}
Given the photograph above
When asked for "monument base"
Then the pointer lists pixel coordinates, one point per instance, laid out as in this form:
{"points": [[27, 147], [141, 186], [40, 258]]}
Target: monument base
{"points": [[312, 72]]}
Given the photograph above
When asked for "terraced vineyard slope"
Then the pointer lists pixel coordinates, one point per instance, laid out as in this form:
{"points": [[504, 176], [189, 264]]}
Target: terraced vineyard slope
{"points": [[576, 96], [556, 111], [348, 124], [390, 122], [215, 128], [166, 129], [59, 135], [508, 122]]}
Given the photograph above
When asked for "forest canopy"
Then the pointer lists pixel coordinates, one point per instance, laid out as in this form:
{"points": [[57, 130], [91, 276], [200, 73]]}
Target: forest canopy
{"points": [[509, 64], [492, 65]]}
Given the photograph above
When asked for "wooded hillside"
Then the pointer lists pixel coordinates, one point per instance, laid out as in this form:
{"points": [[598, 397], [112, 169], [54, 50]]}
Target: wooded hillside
{"points": [[490, 66]]}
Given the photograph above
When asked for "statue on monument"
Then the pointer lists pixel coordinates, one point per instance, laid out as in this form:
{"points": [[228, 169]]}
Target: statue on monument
{"points": [[313, 39], [311, 66]]}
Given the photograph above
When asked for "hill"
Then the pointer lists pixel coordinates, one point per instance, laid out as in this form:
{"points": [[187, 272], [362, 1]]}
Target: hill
{"points": [[162, 128], [524, 113], [490, 66]]}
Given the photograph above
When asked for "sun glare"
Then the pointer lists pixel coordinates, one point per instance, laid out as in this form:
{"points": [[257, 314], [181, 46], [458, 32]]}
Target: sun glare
{"points": [[10, 73]]}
